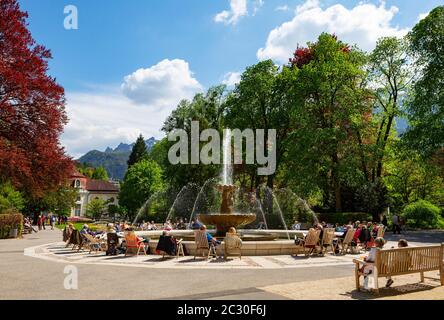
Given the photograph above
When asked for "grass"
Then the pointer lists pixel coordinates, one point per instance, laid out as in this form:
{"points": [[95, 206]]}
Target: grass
{"points": [[79, 226]]}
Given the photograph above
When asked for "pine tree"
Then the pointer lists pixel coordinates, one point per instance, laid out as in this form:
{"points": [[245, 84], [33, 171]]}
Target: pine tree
{"points": [[138, 153]]}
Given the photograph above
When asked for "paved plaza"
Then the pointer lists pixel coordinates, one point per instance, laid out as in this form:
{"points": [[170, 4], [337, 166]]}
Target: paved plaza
{"points": [[33, 268]]}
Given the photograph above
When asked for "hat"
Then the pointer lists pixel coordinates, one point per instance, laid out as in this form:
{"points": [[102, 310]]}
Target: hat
{"points": [[85, 226]]}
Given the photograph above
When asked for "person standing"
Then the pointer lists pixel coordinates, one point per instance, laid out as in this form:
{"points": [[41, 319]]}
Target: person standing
{"points": [[395, 222], [43, 222], [39, 222], [52, 221]]}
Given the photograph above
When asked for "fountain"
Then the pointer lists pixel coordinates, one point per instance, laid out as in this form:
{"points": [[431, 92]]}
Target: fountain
{"points": [[226, 217]]}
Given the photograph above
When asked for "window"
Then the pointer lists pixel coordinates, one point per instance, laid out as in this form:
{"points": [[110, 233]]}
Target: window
{"points": [[78, 199], [77, 184]]}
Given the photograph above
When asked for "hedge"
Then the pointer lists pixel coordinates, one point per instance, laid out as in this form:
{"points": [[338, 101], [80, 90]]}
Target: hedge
{"points": [[344, 217], [9, 221], [423, 214]]}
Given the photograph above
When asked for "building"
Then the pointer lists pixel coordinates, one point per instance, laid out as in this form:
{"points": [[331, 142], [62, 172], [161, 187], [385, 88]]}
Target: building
{"points": [[90, 189]]}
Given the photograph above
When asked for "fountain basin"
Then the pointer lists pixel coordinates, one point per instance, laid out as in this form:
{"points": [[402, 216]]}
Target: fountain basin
{"points": [[224, 221]]}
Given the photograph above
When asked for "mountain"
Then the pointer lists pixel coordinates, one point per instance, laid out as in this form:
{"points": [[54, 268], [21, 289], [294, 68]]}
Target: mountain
{"points": [[113, 160]]}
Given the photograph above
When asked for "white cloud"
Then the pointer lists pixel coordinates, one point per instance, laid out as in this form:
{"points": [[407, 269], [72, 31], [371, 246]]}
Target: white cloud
{"points": [[257, 5], [109, 115], [237, 11], [361, 25], [231, 78], [161, 84], [282, 8]]}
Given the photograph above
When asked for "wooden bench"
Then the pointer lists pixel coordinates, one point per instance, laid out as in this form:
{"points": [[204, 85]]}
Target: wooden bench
{"points": [[401, 261]]}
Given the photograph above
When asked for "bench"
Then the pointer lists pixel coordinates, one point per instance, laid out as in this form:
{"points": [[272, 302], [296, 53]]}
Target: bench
{"points": [[402, 261]]}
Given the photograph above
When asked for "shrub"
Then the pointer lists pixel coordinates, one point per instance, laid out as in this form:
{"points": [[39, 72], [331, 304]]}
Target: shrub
{"points": [[8, 221], [344, 217], [423, 214]]}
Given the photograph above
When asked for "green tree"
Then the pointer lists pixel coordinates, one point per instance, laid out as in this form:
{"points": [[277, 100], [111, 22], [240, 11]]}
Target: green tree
{"points": [[142, 180], [96, 208], [426, 106], [59, 201], [331, 112], [390, 74], [100, 173], [256, 103], [10, 198], [138, 152]]}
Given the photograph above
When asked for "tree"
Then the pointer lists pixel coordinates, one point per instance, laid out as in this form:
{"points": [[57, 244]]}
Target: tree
{"points": [[59, 201], [10, 198], [96, 208], [256, 103], [390, 73], [142, 180], [32, 109], [100, 173], [331, 112], [426, 106], [139, 151]]}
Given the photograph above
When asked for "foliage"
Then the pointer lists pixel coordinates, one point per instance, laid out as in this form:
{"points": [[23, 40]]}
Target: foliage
{"points": [[96, 208], [142, 180], [426, 105], [10, 198], [32, 108], [423, 214], [138, 152], [331, 110], [59, 201], [100, 174], [9, 221]]}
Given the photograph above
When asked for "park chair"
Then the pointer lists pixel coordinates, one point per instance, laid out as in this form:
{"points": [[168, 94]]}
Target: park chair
{"points": [[232, 246], [94, 244], [345, 244], [133, 243], [168, 245], [327, 241], [76, 240], [202, 245], [310, 242], [401, 261]]}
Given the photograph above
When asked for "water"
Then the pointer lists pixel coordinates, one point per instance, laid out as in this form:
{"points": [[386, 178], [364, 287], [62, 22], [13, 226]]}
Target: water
{"points": [[199, 195], [145, 205], [179, 198], [227, 173], [279, 210]]}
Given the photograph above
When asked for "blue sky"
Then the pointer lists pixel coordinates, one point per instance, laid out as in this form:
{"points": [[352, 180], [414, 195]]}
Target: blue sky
{"points": [[181, 47]]}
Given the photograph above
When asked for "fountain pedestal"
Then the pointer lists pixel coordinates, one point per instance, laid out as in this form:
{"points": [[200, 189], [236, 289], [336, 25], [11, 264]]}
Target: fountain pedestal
{"points": [[226, 218]]}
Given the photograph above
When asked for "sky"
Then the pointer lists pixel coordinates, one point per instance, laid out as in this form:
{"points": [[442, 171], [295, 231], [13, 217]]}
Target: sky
{"points": [[130, 62]]}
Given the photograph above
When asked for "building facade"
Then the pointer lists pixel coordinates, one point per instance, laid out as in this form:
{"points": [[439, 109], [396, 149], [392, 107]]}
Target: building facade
{"points": [[90, 189]]}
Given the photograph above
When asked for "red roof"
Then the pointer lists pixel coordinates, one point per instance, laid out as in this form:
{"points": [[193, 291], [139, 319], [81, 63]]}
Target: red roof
{"points": [[99, 185], [77, 174]]}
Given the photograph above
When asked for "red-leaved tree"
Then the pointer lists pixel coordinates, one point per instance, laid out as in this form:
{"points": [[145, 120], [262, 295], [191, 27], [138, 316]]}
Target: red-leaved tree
{"points": [[32, 109]]}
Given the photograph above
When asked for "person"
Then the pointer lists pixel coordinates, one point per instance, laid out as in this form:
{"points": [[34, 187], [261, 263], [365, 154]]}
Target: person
{"points": [[195, 225], [67, 233], [211, 240], [401, 244], [367, 269], [86, 230], [261, 226], [43, 218], [39, 222], [52, 220], [395, 222], [296, 226], [384, 220]]}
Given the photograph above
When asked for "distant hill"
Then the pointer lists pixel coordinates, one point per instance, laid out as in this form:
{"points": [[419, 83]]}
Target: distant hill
{"points": [[113, 160]]}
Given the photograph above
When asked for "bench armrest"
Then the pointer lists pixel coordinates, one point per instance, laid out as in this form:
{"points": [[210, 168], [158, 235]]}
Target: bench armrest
{"points": [[359, 261]]}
